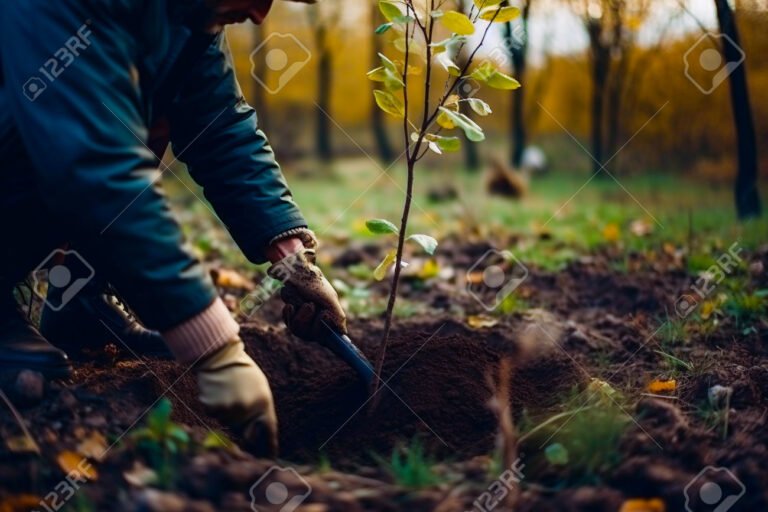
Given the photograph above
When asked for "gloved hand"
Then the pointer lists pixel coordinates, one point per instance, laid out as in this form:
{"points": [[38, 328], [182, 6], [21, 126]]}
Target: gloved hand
{"points": [[311, 303], [235, 391]]}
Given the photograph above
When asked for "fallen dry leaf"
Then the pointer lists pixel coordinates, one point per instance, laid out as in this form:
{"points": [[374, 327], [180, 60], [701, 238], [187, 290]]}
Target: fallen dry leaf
{"points": [[226, 278], [75, 464], [21, 444], [481, 321], [643, 505], [662, 386]]}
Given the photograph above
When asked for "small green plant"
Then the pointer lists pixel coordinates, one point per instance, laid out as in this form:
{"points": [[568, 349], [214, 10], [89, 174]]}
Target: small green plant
{"points": [[747, 308], [676, 365], [410, 466], [582, 441], [162, 441], [673, 331], [418, 28]]}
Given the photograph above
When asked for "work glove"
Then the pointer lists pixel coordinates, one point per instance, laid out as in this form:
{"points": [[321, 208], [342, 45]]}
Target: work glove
{"points": [[235, 391], [311, 304]]}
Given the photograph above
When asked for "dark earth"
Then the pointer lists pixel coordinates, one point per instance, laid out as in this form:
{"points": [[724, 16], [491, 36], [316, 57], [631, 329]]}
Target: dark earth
{"points": [[588, 321]]}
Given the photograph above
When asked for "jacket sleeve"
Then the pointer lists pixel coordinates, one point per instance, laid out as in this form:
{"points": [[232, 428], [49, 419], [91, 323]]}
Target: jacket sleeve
{"points": [[231, 158], [85, 136]]}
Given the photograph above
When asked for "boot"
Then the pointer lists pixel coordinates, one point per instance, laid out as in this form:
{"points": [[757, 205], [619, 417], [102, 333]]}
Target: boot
{"points": [[92, 319], [23, 347]]}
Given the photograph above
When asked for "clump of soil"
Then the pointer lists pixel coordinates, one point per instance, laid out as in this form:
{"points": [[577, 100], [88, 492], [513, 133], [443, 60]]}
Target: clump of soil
{"points": [[436, 386]]}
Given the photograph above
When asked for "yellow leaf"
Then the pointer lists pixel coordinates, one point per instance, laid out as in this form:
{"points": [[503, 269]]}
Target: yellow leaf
{"points": [[429, 270], [390, 10], [389, 103], [380, 272], [662, 386], [643, 505], [226, 278], [707, 308], [481, 321], [445, 121], [77, 465], [504, 15], [611, 232], [22, 444], [487, 3], [458, 23]]}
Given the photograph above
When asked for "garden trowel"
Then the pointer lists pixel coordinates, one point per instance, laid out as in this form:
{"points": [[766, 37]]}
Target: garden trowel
{"points": [[342, 346]]}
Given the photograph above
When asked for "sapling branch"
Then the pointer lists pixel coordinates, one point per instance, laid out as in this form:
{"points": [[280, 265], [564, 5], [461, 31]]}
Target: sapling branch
{"points": [[421, 140]]}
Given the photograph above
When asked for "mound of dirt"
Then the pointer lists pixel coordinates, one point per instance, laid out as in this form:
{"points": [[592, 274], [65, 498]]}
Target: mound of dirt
{"points": [[436, 378]]}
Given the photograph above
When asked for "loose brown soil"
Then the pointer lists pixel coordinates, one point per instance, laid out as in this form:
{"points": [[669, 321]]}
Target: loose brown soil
{"points": [[437, 373]]}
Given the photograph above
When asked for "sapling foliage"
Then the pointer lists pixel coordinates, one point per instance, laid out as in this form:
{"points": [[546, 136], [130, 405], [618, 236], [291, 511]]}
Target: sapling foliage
{"points": [[426, 38]]}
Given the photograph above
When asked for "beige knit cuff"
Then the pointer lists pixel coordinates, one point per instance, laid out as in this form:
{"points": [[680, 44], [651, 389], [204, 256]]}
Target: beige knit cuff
{"points": [[202, 334]]}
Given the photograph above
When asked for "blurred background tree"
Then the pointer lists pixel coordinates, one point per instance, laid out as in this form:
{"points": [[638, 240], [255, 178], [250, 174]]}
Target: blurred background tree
{"points": [[623, 77]]}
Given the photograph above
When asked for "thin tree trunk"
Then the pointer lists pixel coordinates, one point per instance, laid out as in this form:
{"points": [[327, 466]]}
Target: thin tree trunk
{"points": [[600, 56], [745, 189], [323, 144], [519, 56], [378, 124]]}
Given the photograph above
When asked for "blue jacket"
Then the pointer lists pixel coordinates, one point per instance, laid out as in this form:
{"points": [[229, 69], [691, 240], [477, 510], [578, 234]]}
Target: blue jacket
{"points": [[81, 83]]}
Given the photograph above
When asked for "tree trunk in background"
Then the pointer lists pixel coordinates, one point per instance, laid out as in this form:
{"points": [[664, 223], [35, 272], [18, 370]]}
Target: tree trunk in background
{"points": [[519, 55], [746, 191], [259, 69], [600, 56], [323, 144], [378, 122]]}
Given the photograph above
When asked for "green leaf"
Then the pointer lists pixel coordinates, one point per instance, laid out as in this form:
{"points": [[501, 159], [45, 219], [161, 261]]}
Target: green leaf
{"points": [[427, 242], [447, 144], [381, 227], [492, 77], [383, 28], [458, 23], [479, 106], [556, 454], [471, 129], [504, 15], [403, 20], [390, 103], [444, 59], [486, 3], [391, 81], [380, 272], [390, 10]]}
